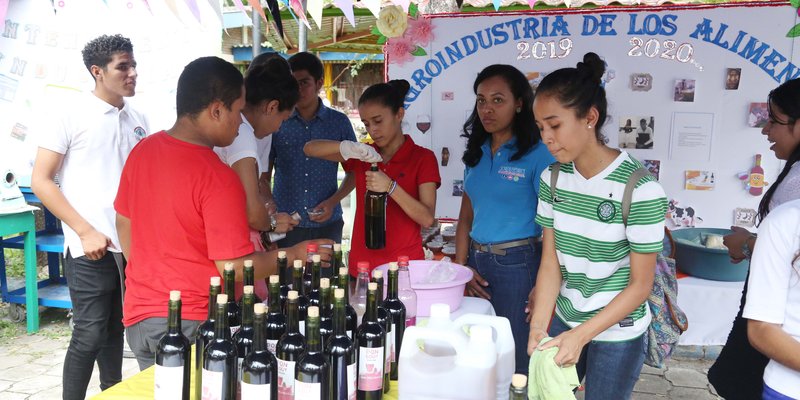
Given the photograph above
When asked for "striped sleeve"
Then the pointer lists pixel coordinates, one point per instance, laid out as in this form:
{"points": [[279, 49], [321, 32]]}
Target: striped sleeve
{"points": [[544, 211], [645, 229]]}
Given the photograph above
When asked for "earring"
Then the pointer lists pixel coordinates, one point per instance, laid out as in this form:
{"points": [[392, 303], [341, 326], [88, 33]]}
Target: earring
{"points": [[589, 126], [519, 110]]}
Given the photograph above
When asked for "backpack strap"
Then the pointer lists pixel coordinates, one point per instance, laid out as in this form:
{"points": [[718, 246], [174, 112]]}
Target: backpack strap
{"points": [[638, 174], [555, 169]]}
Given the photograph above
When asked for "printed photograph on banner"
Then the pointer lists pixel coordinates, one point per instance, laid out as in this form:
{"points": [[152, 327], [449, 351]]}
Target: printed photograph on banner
{"points": [[641, 82], [684, 90], [458, 187], [699, 180], [681, 217], [744, 217], [19, 132], [758, 115], [732, 78], [654, 166], [636, 132]]}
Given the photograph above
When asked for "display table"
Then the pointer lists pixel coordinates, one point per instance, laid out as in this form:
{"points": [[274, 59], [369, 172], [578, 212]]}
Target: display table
{"points": [[22, 223], [710, 307], [140, 386]]}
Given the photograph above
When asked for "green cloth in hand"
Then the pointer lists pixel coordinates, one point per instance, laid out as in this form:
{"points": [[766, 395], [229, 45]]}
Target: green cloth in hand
{"points": [[548, 381]]}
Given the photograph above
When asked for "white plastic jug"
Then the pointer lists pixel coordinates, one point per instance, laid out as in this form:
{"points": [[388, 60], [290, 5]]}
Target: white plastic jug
{"points": [[504, 345], [469, 374]]}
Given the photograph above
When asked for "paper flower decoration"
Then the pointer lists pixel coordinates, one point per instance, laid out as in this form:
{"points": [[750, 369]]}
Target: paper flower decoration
{"points": [[392, 21], [402, 45], [795, 31], [400, 49], [420, 31]]}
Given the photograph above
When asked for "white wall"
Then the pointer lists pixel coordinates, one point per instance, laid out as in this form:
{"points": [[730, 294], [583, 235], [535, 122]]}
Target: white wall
{"points": [[733, 143]]}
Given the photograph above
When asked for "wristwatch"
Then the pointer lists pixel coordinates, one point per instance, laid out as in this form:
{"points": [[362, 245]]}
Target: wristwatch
{"points": [[273, 223], [746, 250]]}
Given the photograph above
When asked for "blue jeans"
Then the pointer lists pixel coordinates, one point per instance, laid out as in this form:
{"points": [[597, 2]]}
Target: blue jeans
{"points": [[611, 368], [772, 394], [511, 278]]}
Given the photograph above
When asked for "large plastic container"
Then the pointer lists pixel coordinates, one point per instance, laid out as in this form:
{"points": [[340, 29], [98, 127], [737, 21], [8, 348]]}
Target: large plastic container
{"points": [[693, 258], [503, 340], [450, 293], [466, 374]]}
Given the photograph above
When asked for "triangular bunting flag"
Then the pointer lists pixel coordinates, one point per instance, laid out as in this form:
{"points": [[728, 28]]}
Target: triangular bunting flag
{"points": [[275, 11], [314, 8], [3, 9], [256, 4], [291, 12], [496, 4], [174, 8], [147, 4], [298, 10], [347, 8], [194, 9], [402, 3], [374, 6], [217, 9], [240, 6], [531, 3]]}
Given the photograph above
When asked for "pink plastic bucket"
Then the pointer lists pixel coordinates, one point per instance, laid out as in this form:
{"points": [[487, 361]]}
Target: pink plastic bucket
{"points": [[450, 293]]}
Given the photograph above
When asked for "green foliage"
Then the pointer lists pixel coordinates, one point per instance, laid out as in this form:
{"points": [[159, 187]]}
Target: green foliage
{"points": [[794, 32], [419, 51], [15, 263]]}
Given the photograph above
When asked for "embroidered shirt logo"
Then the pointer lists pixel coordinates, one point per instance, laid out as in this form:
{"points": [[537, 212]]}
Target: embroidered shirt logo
{"points": [[606, 211], [139, 132], [513, 174]]}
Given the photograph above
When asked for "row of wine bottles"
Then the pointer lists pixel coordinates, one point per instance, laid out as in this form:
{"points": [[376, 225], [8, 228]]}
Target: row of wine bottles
{"points": [[268, 353]]}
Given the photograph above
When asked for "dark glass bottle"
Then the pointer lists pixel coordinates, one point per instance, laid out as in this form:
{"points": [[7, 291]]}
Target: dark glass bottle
{"points": [[205, 334], [219, 359], [336, 263], [351, 318], [249, 279], [371, 343], [173, 365], [290, 347], [325, 320], [243, 339], [519, 387], [312, 249], [316, 274], [385, 319], [341, 352], [259, 378], [285, 278], [312, 374], [302, 300], [276, 319], [375, 217], [398, 312], [234, 312]]}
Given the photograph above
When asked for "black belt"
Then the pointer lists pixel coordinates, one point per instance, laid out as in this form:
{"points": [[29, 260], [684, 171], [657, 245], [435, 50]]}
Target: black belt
{"points": [[500, 248]]}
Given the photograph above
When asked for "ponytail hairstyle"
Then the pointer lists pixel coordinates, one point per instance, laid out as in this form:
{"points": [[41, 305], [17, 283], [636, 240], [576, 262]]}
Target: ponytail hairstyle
{"points": [[271, 79], [787, 98], [580, 89], [391, 94], [523, 126]]}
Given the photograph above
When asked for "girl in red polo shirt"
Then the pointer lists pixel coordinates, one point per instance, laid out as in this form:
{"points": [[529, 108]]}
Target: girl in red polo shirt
{"points": [[408, 172]]}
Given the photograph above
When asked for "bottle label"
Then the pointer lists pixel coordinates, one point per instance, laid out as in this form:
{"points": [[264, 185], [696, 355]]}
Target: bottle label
{"points": [[168, 382], [350, 333], [254, 392], [351, 381], [411, 321], [272, 345], [303, 328], [392, 348], [239, 362], [370, 368], [285, 380], [387, 355], [307, 391], [212, 385], [235, 329]]}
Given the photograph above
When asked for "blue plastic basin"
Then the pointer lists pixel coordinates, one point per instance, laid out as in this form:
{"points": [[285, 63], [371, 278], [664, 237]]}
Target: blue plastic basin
{"points": [[694, 259]]}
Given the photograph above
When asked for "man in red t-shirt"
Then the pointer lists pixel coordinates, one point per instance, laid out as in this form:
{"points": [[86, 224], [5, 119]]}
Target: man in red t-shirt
{"points": [[181, 212]]}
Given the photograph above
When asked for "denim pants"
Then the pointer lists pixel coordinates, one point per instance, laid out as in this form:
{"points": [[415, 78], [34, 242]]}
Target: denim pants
{"points": [[144, 335], [772, 394], [511, 278], [611, 368], [96, 294]]}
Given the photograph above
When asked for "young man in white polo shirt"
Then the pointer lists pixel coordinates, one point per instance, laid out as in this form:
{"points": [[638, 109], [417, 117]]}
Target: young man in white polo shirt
{"points": [[87, 147]]}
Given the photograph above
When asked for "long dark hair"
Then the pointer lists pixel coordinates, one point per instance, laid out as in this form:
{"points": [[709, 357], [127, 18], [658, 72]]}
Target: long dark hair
{"points": [[391, 94], [579, 88], [523, 126], [787, 98]]}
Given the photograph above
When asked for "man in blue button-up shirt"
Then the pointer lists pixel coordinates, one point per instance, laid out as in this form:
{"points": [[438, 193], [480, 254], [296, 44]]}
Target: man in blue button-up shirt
{"points": [[309, 185]]}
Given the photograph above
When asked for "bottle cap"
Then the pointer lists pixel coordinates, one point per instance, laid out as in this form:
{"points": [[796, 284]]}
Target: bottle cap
{"points": [[259, 308], [373, 286], [222, 298], [440, 310], [298, 263], [338, 293], [174, 295], [343, 271], [248, 289], [480, 333], [292, 295], [281, 254], [229, 266], [316, 258], [312, 248], [274, 279], [363, 266], [313, 312], [337, 247], [215, 281], [248, 263], [324, 283], [392, 266], [402, 259], [377, 274], [519, 381]]}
